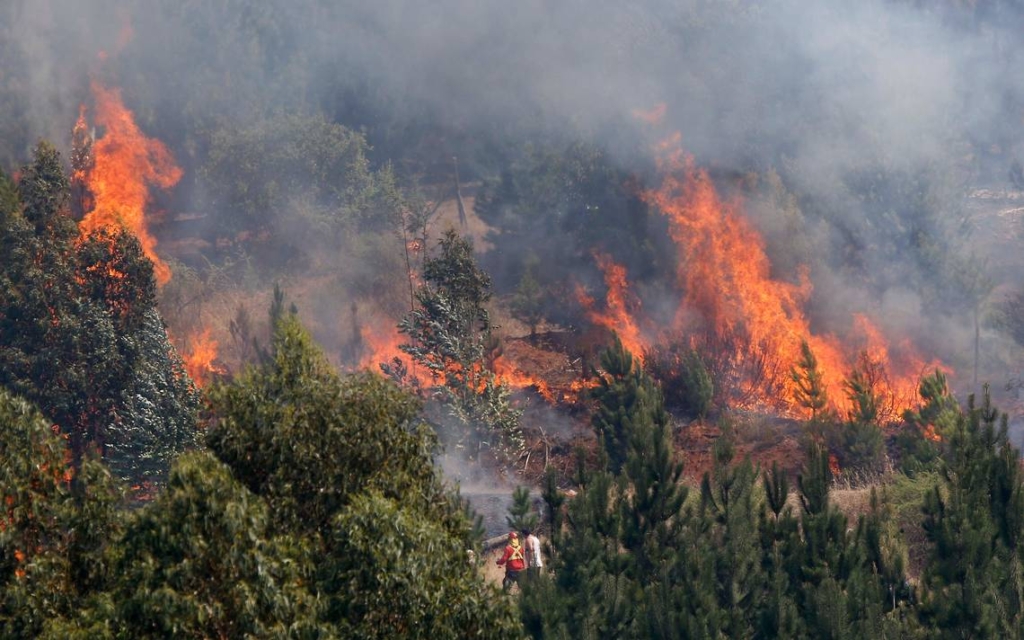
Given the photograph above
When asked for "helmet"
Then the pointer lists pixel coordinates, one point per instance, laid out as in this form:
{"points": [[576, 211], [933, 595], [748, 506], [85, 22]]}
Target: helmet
{"points": [[512, 535]]}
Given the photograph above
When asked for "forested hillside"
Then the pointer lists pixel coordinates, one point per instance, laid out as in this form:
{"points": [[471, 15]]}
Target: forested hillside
{"points": [[723, 297]]}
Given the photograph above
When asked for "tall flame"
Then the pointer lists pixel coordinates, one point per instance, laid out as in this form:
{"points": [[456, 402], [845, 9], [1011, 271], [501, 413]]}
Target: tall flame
{"points": [[126, 164], [731, 300], [620, 306]]}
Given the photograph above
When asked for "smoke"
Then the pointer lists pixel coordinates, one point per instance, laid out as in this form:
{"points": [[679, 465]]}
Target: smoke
{"points": [[825, 84], [874, 114]]}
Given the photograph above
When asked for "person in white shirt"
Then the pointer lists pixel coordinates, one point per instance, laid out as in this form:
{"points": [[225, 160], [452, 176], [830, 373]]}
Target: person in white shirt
{"points": [[534, 562]]}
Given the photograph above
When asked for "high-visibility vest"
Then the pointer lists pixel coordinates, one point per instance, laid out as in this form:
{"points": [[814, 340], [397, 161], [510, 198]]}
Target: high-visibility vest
{"points": [[517, 552]]}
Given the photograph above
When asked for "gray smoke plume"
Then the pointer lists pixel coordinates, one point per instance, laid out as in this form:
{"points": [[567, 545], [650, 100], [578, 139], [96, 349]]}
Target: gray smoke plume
{"points": [[876, 116]]}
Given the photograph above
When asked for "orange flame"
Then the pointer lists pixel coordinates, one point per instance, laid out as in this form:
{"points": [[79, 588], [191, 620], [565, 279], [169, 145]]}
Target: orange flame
{"points": [[199, 358], [620, 307], [512, 377], [380, 345], [731, 297], [653, 116], [726, 275], [126, 164]]}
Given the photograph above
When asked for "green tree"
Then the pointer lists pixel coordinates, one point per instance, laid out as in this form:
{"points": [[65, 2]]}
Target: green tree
{"points": [[82, 337], [586, 593], [394, 573], [728, 501], [809, 386], [625, 396], [685, 379], [54, 536], [307, 440], [528, 300], [313, 170], [521, 515], [653, 494], [346, 465], [779, 615], [448, 335], [858, 443], [560, 199], [971, 583], [615, 564], [937, 415], [201, 561]]}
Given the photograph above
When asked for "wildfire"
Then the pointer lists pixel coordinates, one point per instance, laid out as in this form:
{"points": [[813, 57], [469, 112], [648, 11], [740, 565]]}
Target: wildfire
{"points": [[731, 303], [513, 378], [125, 164], [620, 306], [380, 345], [199, 358]]}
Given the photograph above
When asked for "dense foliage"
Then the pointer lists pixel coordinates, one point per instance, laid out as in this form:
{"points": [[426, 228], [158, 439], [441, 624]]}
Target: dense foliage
{"points": [[315, 508], [80, 332], [634, 555], [336, 526]]}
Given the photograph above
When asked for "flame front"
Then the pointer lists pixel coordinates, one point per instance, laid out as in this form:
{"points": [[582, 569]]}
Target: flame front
{"points": [[125, 165], [512, 377], [381, 346], [726, 275], [731, 305]]}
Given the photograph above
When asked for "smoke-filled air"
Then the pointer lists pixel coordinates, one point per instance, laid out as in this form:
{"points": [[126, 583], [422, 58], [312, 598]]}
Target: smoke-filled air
{"points": [[350, 274]]}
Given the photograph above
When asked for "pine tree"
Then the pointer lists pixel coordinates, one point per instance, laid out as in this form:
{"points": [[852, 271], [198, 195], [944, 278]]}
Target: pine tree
{"points": [[528, 301], [728, 501], [620, 399], [809, 385], [858, 443], [781, 546], [654, 494], [971, 584], [615, 562], [825, 561], [520, 514], [937, 415]]}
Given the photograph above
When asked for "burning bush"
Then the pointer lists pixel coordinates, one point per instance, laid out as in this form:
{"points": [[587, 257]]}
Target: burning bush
{"points": [[449, 335]]}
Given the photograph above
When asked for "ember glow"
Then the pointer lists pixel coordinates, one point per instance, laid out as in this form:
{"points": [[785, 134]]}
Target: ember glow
{"points": [[125, 165]]}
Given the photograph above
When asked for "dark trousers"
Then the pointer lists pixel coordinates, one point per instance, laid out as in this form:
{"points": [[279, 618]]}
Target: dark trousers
{"points": [[511, 577]]}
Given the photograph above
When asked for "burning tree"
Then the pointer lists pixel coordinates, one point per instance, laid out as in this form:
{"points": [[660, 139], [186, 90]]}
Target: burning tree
{"points": [[448, 335], [82, 337]]}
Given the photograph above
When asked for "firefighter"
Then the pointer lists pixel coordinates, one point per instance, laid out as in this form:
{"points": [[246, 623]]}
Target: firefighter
{"points": [[514, 561]]}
